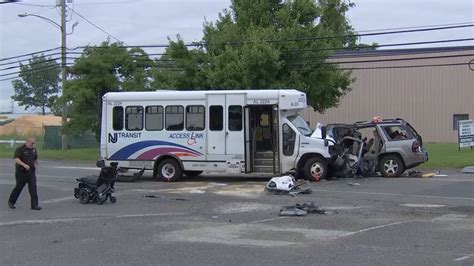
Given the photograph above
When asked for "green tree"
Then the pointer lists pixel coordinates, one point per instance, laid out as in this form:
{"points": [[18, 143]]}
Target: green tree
{"points": [[181, 68], [38, 84], [267, 44], [101, 69]]}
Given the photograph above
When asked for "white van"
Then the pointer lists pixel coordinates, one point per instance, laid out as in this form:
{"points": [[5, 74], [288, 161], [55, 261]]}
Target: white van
{"points": [[257, 132]]}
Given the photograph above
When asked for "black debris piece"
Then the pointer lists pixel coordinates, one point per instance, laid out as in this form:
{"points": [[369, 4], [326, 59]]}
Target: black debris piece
{"points": [[152, 196], [301, 209], [163, 197]]}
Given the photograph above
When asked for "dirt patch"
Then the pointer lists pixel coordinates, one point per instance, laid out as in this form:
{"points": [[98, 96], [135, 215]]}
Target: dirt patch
{"points": [[29, 125]]}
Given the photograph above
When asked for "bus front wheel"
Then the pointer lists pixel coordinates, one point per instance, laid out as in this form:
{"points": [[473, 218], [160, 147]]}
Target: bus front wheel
{"points": [[315, 169], [169, 170]]}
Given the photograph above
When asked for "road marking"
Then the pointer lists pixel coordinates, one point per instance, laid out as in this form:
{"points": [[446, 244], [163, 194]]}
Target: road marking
{"points": [[39, 176], [56, 166], [73, 167], [56, 200], [452, 180], [451, 217], [374, 228], [390, 194], [415, 205], [464, 258], [85, 218], [267, 220], [45, 221], [337, 208]]}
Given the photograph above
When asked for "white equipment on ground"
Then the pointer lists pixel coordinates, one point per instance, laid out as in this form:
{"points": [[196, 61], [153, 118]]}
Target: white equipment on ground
{"points": [[287, 185]]}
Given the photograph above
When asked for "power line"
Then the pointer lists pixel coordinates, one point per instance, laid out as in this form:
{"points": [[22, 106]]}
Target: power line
{"points": [[298, 59], [344, 68], [388, 60], [90, 22], [416, 27], [200, 43], [108, 3], [33, 63], [26, 59], [373, 34], [29, 54], [383, 45], [68, 53], [23, 4], [403, 67], [309, 38], [290, 63], [37, 70]]}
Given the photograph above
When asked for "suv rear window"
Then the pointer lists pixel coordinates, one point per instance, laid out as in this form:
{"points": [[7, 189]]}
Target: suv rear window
{"points": [[397, 133]]}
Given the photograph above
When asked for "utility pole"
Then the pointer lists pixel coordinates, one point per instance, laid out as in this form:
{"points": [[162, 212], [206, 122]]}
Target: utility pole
{"points": [[63, 72]]}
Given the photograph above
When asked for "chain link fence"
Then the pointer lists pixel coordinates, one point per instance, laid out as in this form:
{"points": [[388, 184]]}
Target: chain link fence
{"points": [[47, 137]]}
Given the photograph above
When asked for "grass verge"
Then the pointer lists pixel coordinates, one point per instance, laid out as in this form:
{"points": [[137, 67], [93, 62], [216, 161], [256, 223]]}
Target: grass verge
{"points": [[447, 155], [89, 154]]}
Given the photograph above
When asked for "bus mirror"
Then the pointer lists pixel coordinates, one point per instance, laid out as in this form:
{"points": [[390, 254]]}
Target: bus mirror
{"points": [[323, 132], [326, 143]]}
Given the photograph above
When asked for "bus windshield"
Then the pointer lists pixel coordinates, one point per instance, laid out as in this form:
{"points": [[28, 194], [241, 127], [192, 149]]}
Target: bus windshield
{"points": [[300, 124]]}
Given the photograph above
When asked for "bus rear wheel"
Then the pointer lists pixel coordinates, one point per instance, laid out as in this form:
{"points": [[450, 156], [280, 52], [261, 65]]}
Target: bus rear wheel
{"points": [[169, 170]]}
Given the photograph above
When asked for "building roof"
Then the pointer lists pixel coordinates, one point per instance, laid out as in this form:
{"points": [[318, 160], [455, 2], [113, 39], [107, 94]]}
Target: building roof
{"points": [[389, 52]]}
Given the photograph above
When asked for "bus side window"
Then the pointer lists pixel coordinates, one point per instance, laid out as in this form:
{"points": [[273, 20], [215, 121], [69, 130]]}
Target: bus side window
{"points": [[216, 118], [174, 117], [235, 118], [195, 117], [134, 118], [117, 118], [154, 118]]}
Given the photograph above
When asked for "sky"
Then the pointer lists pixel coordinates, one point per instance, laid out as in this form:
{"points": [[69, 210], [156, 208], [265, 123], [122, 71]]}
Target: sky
{"points": [[142, 22]]}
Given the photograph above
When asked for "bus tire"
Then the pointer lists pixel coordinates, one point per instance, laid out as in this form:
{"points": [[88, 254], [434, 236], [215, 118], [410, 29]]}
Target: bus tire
{"points": [[169, 170], [192, 173], [315, 169]]}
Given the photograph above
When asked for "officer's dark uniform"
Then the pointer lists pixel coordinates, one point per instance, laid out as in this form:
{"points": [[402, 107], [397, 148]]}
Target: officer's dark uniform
{"points": [[23, 176]]}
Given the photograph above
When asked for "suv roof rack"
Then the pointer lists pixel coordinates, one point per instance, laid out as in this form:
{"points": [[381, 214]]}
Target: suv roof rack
{"points": [[391, 120]]}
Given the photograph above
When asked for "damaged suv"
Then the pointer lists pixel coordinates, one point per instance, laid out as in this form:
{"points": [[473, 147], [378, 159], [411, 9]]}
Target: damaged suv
{"points": [[388, 146]]}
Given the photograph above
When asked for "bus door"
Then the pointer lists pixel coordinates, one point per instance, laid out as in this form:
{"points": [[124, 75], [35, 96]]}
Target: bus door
{"points": [[261, 139], [226, 125], [216, 129], [235, 125]]}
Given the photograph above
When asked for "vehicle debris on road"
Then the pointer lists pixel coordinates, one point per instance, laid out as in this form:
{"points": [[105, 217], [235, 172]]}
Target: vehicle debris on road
{"points": [[287, 185], [301, 209], [163, 197], [416, 173], [353, 184]]}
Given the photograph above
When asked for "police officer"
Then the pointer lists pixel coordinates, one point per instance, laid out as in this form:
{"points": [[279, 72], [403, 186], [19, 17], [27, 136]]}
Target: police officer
{"points": [[26, 159]]}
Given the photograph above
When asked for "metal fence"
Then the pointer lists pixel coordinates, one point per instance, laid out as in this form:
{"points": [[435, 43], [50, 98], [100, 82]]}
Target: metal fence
{"points": [[48, 137]]}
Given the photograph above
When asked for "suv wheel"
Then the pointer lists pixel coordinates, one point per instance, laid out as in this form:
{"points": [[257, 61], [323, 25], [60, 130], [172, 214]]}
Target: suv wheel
{"points": [[391, 166], [315, 169]]}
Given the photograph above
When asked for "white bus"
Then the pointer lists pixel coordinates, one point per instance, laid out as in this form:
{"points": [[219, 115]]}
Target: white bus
{"points": [[175, 133]]}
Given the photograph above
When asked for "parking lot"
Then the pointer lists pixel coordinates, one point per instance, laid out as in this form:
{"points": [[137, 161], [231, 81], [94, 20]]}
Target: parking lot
{"points": [[212, 220]]}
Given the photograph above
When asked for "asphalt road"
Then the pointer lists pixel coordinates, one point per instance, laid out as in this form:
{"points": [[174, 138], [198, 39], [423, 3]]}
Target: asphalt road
{"points": [[213, 220]]}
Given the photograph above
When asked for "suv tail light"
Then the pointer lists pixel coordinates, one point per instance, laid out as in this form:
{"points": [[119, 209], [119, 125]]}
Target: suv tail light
{"points": [[416, 147]]}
